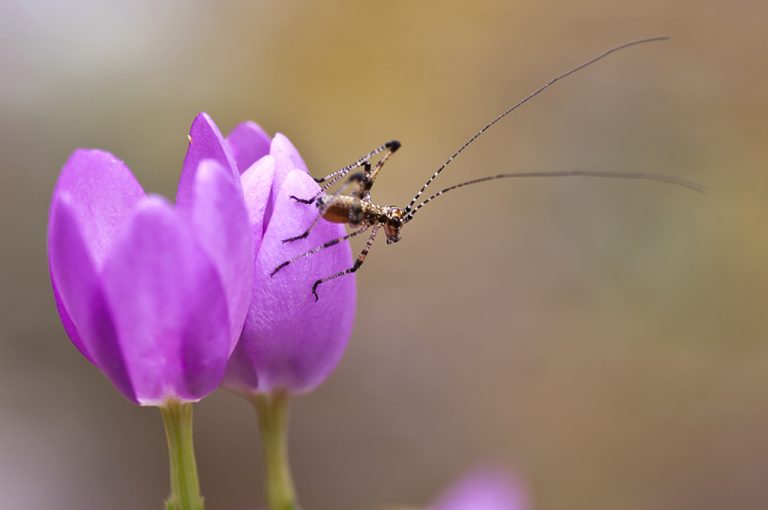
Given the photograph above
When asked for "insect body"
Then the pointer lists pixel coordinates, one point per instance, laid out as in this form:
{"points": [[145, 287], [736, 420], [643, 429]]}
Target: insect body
{"points": [[347, 209], [358, 210]]}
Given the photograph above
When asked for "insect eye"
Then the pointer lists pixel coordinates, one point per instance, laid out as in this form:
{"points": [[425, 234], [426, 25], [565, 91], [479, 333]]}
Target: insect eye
{"points": [[395, 222]]}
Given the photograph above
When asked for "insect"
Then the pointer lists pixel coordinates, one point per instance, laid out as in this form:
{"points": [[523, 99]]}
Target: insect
{"points": [[358, 210]]}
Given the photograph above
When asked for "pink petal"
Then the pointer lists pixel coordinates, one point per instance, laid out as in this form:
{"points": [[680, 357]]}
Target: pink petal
{"points": [[102, 192], [220, 222], [257, 185], [287, 159], [484, 489], [79, 295], [286, 154], [248, 143], [169, 307], [206, 142], [290, 341]]}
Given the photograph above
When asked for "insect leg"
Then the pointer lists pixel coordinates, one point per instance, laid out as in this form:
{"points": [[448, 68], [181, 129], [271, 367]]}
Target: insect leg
{"points": [[365, 162], [358, 262], [320, 248], [392, 146], [306, 232]]}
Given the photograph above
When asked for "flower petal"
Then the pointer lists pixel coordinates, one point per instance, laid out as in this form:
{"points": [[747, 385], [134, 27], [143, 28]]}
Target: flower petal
{"points": [[290, 341], [248, 143], [257, 185], [241, 376], [205, 142], [169, 307], [287, 159], [286, 154], [102, 192], [220, 222], [484, 489], [79, 295]]}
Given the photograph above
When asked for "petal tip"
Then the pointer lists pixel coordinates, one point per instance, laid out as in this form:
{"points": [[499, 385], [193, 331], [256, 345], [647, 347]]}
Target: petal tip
{"points": [[155, 204], [201, 118], [252, 127], [248, 143], [286, 152], [85, 160], [205, 142]]}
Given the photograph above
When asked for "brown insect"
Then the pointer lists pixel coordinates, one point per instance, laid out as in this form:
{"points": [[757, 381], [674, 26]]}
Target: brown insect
{"points": [[358, 210]]}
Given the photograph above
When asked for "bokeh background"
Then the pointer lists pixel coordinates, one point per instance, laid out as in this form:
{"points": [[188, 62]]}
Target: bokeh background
{"points": [[605, 340]]}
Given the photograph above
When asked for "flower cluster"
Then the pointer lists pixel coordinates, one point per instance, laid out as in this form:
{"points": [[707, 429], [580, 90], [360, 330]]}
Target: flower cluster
{"points": [[170, 302], [164, 300]]}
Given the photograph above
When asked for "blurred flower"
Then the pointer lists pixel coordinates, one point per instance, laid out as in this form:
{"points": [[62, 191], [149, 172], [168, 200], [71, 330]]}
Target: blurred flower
{"points": [[289, 342], [154, 296], [485, 489]]}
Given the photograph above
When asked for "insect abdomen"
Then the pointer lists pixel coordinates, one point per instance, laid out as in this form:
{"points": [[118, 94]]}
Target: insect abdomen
{"points": [[337, 213]]}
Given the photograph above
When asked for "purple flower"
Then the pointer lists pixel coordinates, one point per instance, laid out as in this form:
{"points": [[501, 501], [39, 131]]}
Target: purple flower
{"points": [[154, 296], [485, 489], [289, 342]]}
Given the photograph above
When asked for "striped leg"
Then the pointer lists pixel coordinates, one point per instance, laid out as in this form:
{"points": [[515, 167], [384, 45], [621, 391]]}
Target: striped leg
{"points": [[358, 177], [320, 248], [391, 146], [355, 266], [364, 162], [306, 232]]}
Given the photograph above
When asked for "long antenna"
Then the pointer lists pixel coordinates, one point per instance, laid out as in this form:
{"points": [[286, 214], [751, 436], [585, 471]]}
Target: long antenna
{"points": [[667, 179], [514, 107]]}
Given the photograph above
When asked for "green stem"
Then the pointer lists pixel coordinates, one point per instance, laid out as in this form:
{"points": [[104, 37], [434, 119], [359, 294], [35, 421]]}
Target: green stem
{"points": [[272, 411], [185, 489]]}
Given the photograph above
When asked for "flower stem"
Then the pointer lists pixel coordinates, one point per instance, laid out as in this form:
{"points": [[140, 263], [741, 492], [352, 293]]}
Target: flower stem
{"points": [[272, 411], [185, 488]]}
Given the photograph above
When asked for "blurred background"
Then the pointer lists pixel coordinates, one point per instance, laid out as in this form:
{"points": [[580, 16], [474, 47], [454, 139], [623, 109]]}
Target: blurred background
{"points": [[604, 340]]}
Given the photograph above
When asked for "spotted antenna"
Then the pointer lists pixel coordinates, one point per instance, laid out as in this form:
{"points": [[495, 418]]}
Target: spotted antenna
{"points": [[357, 209], [409, 209], [667, 179]]}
